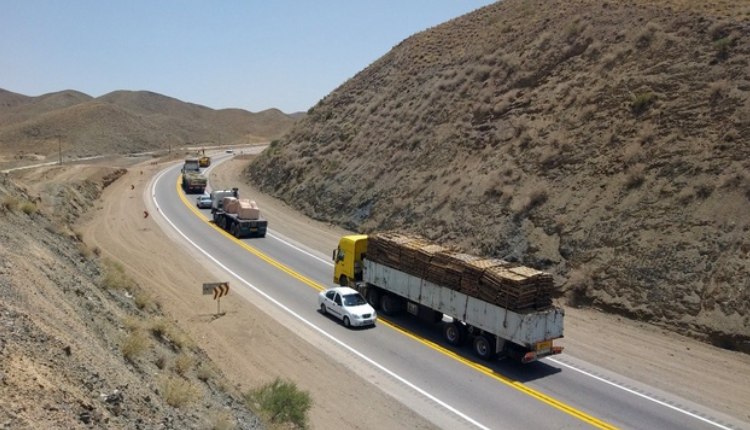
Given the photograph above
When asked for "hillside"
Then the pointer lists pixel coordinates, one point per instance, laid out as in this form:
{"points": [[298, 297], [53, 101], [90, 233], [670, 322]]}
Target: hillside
{"points": [[605, 142], [39, 128], [82, 345]]}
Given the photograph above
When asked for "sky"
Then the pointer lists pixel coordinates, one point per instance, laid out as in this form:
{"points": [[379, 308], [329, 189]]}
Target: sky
{"points": [[247, 54]]}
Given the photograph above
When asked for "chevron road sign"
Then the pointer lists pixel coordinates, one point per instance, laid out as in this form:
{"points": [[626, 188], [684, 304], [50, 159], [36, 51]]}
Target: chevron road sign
{"points": [[218, 289]]}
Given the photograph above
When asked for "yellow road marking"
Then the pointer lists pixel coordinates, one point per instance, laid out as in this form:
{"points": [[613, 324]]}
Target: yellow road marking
{"points": [[593, 421]]}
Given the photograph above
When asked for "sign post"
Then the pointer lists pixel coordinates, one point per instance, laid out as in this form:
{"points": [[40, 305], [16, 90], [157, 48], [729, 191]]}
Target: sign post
{"points": [[219, 290]]}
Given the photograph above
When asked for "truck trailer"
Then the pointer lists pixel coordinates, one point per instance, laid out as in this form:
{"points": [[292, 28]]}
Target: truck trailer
{"points": [[503, 309], [240, 217], [193, 181]]}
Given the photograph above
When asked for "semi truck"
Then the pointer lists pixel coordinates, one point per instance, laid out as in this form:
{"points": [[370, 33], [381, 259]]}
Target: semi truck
{"points": [[502, 309], [193, 181], [240, 217]]}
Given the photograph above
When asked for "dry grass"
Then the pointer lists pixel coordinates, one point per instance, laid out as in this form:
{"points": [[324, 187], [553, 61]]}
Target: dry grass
{"points": [[178, 392], [182, 364], [134, 344]]}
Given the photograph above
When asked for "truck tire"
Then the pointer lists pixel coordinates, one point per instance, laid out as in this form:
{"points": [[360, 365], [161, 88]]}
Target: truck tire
{"points": [[455, 334], [390, 304], [373, 297], [484, 347], [343, 281], [236, 230]]}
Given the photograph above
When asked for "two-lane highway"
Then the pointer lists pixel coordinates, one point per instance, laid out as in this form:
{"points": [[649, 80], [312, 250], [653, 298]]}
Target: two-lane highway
{"points": [[407, 359]]}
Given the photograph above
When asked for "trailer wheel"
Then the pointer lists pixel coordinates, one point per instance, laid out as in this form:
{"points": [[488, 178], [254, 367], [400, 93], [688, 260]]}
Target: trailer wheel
{"points": [[455, 334], [389, 304], [373, 298], [483, 347]]}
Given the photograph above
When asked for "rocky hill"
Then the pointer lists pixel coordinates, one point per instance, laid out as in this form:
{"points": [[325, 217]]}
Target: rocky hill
{"points": [[606, 142], [122, 122], [81, 344]]}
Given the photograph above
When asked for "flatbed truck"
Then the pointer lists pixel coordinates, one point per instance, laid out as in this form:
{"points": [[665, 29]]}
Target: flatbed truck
{"points": [[233, 222], [493, 330]]}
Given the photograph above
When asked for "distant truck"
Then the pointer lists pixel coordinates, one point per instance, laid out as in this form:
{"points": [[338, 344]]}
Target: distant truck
{"points": [[240, 217], [204, 161], [504, 309], [193, 181], [191, 165]]}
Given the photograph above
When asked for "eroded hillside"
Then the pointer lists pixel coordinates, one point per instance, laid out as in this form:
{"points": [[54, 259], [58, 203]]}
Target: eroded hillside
{"points": [[81, 344], [606, 142]]}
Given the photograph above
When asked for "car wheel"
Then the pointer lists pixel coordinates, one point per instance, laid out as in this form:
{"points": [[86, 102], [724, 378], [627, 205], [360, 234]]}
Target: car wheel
{"points": [[347, 323], [323, 309]]}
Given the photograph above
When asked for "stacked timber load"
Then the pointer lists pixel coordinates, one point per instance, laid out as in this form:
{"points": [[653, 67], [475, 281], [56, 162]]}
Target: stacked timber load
{"points": [[496, 281]]}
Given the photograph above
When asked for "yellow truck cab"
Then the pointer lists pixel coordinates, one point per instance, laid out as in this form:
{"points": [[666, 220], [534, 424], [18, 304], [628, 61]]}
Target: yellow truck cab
{"points": [[347, 259]]}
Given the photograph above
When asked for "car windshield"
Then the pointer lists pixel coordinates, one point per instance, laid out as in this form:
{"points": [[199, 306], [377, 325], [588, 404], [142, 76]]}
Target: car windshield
{"points": [[353, 300]]}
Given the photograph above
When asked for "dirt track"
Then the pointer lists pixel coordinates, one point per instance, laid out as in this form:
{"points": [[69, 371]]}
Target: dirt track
{"points": [[253, 349]]}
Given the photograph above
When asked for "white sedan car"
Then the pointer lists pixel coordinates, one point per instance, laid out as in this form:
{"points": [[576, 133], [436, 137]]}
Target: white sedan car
{"points": [[347, 305]]}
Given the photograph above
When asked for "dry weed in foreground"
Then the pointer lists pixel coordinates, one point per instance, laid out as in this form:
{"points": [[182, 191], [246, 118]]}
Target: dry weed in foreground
{"points": [[134, 344], [178, 392]]}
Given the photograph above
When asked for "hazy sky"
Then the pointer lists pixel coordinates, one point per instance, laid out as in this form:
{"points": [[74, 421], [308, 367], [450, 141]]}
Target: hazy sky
{"points": [[249, 54]]}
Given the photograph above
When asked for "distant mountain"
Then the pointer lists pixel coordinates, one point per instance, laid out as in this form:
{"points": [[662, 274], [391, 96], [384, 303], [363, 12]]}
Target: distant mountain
{"points": [[606, 142], [124, 122]]}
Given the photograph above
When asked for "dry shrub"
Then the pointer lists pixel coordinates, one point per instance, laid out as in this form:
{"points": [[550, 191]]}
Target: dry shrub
{"points": [[10, 203], [579, 280], [717, 91], [223, 421], [178, 392], [182, 364], [115, 277], [204, 373], [143, 300], [164, 330], [134, 344]]}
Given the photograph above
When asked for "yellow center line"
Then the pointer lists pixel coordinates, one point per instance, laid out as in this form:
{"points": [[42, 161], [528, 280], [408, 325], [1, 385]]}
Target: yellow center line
{"points": [[557, 404]]}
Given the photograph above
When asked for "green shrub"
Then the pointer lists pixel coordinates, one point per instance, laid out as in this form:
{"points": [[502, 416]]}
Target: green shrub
{"points": [[281, 402], [29, 208], [722, 47], [642, 101]]}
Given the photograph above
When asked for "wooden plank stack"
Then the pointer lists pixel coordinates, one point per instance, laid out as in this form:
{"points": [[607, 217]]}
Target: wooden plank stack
{"points": [[510, 285]]}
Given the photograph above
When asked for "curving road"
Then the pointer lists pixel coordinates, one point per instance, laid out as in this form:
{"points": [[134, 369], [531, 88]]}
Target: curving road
{"points": [[409, 360]]}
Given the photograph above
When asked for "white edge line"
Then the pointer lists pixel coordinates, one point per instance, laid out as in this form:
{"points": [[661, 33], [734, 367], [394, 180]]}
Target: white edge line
{"points": [[657, 401], [308, 323]]}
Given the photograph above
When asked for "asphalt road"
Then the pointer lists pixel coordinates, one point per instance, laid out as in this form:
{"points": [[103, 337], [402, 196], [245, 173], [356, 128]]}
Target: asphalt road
{"points": [[408, 359]]}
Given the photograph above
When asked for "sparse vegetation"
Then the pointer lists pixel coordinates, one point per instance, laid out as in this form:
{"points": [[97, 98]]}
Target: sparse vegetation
{"points": [[182, 364], [722, 47], [178, 392], [115, 277], [640, 102], [281, 402], [10, 203], [134, 344], [29, 208]]}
